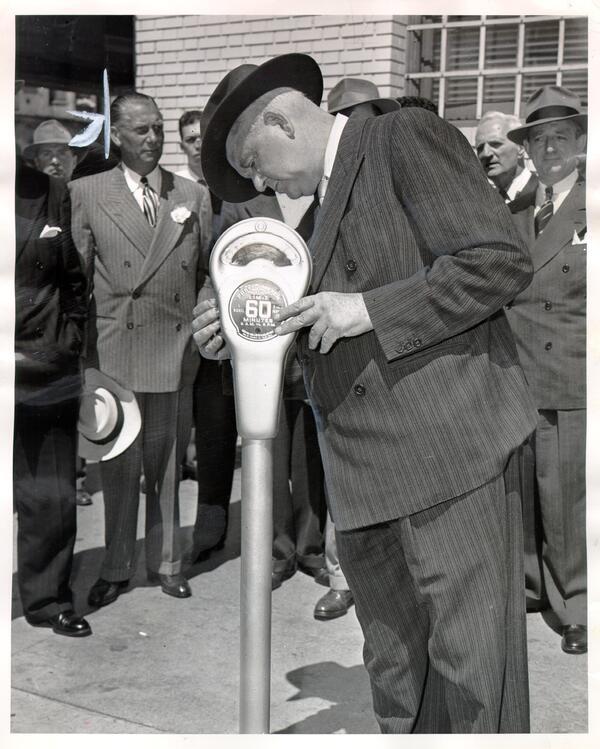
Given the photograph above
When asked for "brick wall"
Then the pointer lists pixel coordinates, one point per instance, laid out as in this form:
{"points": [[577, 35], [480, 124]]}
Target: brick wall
{"points": [[180, 59]]}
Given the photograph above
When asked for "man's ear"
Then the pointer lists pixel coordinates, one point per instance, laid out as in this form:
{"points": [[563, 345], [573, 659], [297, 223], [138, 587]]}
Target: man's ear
{"points": [[277, 119], [114, 135]]}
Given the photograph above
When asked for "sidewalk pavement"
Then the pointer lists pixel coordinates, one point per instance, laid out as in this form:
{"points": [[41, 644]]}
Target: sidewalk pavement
{"points": [[156, 664]]}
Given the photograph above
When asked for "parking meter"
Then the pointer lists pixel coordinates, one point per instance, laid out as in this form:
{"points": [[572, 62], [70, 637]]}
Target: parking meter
{"points": [[257, 267]]}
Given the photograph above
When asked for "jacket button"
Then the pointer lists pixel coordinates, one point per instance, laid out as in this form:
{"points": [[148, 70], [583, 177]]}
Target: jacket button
{"points": [[129, 326], [548, 346], [508, 305], [39, 265], [408, 346], [39, 332], [127, 264], [136, 294], [177, 297], [565, 269], [351, 266], [417, 342], [184, 264], [547, 305], [178, 326], [360, 389]]}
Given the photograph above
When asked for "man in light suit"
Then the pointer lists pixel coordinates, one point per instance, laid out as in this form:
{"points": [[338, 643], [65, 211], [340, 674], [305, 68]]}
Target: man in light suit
{"points": [[138, 229], [548, 321], [414, 380]]}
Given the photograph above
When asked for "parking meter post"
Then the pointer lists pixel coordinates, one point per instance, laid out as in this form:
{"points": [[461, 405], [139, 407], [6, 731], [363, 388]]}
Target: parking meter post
{"points": [[255, 598], [258, 266]]}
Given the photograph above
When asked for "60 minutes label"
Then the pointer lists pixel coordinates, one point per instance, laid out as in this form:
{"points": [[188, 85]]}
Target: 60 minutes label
{"points": [[252, 306]]}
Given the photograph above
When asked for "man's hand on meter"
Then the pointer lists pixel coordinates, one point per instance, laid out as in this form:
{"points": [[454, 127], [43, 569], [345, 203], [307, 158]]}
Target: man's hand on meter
{"points": [[329, 314], [207, 330]]}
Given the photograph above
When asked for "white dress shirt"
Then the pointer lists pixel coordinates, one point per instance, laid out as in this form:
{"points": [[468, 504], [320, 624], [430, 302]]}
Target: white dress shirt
{"points": [[137, 189], [330, 153]]}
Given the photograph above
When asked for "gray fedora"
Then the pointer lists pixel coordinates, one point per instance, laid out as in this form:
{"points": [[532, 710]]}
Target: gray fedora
{"points": [[49, 132], [549, 104], [349, 92]]}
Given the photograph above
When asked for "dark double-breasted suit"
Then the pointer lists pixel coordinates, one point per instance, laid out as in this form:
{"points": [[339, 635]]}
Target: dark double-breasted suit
{"points": [[548, 320], [144, 284], [50, 305], [417, 419]]}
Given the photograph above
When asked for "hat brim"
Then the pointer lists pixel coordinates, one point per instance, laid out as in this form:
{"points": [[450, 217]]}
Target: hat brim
{"points": [[519, 134], [31, 149], [296, 71], [385, 105], [132, 419]]}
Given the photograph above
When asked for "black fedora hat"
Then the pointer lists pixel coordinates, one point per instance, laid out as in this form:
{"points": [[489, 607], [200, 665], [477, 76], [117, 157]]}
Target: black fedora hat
{"points": [[237, 90]]}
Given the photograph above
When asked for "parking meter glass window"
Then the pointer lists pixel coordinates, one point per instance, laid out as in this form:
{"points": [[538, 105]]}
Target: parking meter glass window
{"points": [[256, 251]]}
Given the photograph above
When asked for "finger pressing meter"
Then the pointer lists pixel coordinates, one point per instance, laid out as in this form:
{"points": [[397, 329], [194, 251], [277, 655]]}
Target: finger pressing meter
{"points": [[258, 266]]}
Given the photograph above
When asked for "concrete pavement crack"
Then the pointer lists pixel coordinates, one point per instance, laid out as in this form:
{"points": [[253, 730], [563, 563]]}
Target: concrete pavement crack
{"points": [[88, 709]]}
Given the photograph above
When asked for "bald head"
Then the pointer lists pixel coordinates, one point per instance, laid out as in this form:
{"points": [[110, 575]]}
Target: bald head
{"points": [[502, 160], [279, 142]]}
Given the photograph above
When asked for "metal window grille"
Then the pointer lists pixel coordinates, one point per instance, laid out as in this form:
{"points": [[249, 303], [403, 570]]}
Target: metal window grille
{"points": [[469, 65]]}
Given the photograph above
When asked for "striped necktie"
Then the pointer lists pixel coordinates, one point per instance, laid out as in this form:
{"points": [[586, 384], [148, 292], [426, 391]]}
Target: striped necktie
{"points": [[150, 202], [545, 213]]}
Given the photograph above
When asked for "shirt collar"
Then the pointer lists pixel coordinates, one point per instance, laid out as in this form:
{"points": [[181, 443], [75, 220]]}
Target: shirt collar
{"points": [[333, 143], [563, 186], [133, 179], [518, 183]]}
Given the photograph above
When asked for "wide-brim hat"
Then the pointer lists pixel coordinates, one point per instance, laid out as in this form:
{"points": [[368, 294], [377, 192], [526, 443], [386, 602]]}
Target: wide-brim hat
{"points": [[49, 132], [109, 417], [549, 104], [238, 89], [349, 92]]}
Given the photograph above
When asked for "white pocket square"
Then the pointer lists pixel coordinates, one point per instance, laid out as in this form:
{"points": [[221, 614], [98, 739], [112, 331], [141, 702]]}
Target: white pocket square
{"points": [[577, 239], [48, 232]]}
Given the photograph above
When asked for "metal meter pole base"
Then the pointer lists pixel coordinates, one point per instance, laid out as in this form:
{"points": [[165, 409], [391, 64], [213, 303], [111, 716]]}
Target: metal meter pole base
{"points": [[255, 598]]}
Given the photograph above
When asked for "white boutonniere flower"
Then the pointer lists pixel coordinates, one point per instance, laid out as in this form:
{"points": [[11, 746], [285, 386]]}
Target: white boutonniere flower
{"points": [[49, 232], [180, 214]]}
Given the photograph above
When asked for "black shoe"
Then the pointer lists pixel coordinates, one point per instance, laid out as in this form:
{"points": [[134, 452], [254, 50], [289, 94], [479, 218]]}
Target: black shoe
{"points": [[104, 592], [66, 623], [574, 639], [204, 555], [83, 498], [173, 585], [322, 576], [279, 576], [333, 604]]}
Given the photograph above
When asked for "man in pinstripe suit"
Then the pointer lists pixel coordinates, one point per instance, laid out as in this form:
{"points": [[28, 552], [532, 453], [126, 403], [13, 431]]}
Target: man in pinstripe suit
{"points": [[414, 380], [138, 229]]}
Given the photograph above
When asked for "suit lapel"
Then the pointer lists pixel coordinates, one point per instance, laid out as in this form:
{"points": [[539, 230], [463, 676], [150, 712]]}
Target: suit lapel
{"points": [[121, 207], [570, 217], [167, 230], [347, 163]]}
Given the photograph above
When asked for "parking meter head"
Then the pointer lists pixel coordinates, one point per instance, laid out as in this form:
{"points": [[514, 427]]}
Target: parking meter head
{"points": [[258, 266]]}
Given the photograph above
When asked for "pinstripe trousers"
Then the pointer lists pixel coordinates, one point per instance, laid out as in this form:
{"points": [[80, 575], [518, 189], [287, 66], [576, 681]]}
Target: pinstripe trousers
{"points": [[440, 598], [159, 448]]}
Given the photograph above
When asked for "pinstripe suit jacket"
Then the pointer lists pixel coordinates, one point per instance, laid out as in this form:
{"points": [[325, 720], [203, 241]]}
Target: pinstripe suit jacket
{"points": [[548, 318], [431, 403], [144, 280]]}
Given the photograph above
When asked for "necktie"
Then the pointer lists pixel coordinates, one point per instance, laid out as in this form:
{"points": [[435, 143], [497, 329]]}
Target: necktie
{"points": [[150, 202], [545, 213]]}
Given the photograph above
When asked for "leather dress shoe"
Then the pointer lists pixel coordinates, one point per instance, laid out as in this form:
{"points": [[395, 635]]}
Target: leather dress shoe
{"points": [[173, 585], [279, 576], [104, 592], [66, 623], [83, 498], [322, 576], [574, 639], [333, 604]]}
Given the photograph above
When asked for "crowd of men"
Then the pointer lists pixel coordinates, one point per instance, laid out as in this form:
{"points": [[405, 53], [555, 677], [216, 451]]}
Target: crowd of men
{"points": [[430, 461]]}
